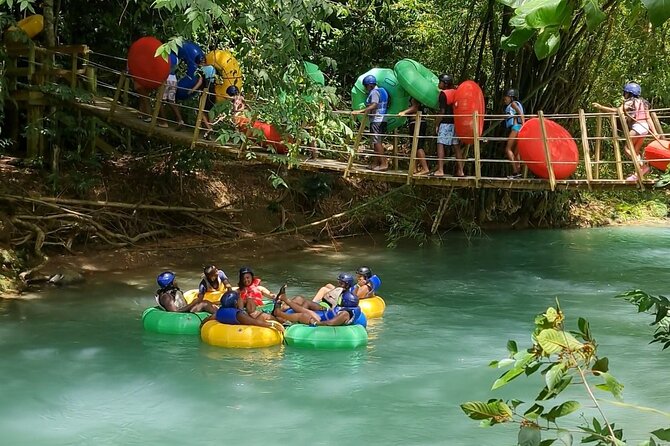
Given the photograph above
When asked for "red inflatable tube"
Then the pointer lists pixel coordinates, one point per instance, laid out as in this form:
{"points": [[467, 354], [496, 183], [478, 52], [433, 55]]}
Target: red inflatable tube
{"points": [[658, 150], [468, 99], [562, 149], [148, 71]]}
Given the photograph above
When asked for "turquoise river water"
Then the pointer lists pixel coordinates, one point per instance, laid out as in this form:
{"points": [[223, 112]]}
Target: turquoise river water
{"points": [[77, 368]]}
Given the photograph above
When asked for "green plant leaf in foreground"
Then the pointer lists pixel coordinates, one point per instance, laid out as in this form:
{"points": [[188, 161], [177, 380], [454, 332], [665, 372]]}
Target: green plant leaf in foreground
{"points": [[495, 410]]}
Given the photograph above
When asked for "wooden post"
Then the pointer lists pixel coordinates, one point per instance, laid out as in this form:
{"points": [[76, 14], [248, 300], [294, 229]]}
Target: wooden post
{"points": [[117, 95], [617, 149], [599, 134], [157, 108], [73, 71], [631, 148], [357, 142], [31, 62], [126, 87], [198, 119], [395, 149], [657, 123], [32, 132], [585, 148], [478, 166], [415, 146], [547, 152], [92, 80]]}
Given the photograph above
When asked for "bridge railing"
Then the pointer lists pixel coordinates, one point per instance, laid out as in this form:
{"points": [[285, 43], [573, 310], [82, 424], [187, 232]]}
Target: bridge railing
{"points": [[600, 159]]}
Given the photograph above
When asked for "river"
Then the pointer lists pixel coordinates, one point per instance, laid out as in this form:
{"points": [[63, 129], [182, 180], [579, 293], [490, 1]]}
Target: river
{"points": [[77, 367]]}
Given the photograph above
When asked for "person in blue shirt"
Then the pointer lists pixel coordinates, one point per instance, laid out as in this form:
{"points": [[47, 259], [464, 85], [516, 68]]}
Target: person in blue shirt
{"points": [[206, 75], [513, 123], [214, 280], [230, 314], [376, 107], [346, 312]]}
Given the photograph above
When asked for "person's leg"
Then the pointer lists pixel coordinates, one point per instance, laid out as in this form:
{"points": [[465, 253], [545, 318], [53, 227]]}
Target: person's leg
{"points": [[379, 148], [420, 152], [510, 152], [177, 114], [327, 288], [460, 163], [301, 314], [204, 306], [440, 160]]}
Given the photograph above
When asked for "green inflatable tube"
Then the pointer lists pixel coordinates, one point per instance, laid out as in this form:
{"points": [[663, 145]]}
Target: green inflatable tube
{"points": [[399, 98], [314, 73], [324, 337], [157, 320], [418, 81]]}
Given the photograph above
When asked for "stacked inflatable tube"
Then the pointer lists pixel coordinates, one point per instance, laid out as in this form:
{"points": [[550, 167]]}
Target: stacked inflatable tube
{"points": [[328, 338], [399, 98], [468, 99], [372, 307], [229, 70], [147, 70], [657, 154], [562, 149], [239, 336], [188, 53], [418, 81], [158, 320]]}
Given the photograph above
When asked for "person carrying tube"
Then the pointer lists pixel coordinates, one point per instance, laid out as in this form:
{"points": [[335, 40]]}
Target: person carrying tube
{"points": [[639, 122], [445, 128], [170, 95], [206, 81], [513, 122], [376, 106]]}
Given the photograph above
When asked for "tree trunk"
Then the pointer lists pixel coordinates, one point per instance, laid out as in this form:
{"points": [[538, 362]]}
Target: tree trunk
{"points": [[49, 23]]}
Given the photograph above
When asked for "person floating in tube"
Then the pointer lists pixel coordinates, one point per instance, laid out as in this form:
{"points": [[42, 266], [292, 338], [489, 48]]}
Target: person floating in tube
{"points": [[230, 313], [376, 107], [638, 120], [514, 121], [251, 292], [170, 298], [213, 280]]}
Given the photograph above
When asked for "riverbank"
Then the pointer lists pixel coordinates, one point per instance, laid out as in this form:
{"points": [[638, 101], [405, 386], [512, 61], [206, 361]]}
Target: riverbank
{"points": [[259, 211]]}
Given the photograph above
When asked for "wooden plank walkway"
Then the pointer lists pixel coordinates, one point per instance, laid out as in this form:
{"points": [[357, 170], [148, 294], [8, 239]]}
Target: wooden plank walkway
{"points": [[127, 117]]}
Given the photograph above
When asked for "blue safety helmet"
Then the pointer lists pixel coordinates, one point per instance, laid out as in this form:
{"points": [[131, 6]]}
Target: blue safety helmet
{"points": [[165, 279], [232, 91], [364, 271], [229, 299], [347, 279], [244, 270], [512, 93], [348, 299], [633, 88], [369, 80]]}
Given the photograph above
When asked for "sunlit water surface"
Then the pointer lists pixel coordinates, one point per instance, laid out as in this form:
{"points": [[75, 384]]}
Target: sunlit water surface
{"points": [[77, 367]]}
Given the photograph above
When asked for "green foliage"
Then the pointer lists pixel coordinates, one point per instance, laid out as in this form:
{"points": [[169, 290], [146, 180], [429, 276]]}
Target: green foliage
{"points": [[560, 356], [659, 306]]}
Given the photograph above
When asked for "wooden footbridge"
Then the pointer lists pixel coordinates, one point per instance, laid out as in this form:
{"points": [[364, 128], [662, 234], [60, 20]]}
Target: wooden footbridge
{"points": [[35, 74]]}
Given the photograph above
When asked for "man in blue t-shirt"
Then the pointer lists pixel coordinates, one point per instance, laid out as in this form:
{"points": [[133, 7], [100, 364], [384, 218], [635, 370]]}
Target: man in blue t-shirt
{"points": [[206, 82], [376, 108]]}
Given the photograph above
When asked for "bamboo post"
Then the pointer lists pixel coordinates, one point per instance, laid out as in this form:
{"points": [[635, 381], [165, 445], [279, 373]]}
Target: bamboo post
{"points": [[126, 88], [415, 147], [117, 95], [73, 71], [631, 148], [547, 152], [617, 149], [357, 142], [599, 132], [475, 134], [198, 119], [585, 147], [92, 80], [31, 62], [657, 124], [395, 149], [157, 108]]}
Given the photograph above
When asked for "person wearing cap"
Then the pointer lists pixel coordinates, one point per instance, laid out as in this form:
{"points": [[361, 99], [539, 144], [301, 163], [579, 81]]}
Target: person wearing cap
{"points": [[213, 280], [514, 121], [251, 291], [170, 297], [376, 107], [444, 127]]}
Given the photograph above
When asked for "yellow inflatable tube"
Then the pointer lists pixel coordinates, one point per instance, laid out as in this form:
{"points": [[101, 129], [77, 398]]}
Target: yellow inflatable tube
{"points": [[31, 25], [372, 307], [229, 70], [239, 336], [211, 296]]}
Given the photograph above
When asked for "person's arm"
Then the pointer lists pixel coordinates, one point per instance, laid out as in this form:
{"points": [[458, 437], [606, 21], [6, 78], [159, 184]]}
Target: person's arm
{"points": [[363, 291], [340, 319], [197, 85], [519, 112], [266, 292], [245, 319], [202, 289], [443, 110], [367, 110], [224, 279], [604, 108], [413, 108]]}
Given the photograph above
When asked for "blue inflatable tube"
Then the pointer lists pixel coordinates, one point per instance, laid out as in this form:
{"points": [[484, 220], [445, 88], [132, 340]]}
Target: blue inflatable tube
{"points": [[188, 53]]}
